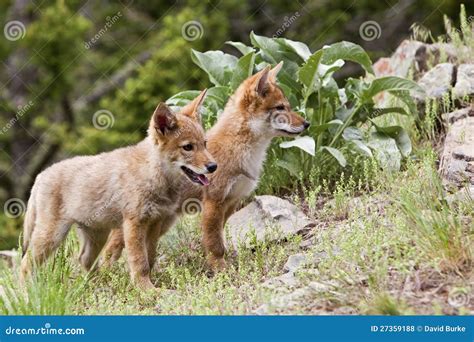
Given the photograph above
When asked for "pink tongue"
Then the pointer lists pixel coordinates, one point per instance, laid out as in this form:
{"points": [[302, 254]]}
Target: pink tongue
{"points": [[203, 179]]}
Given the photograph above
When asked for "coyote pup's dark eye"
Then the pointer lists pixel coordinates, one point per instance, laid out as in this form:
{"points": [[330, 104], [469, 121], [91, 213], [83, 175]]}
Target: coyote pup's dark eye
{"points": [[280, 107], [188, 147]]}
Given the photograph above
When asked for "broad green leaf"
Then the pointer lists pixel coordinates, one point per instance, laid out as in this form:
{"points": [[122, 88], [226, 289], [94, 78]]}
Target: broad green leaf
{"points": [[290, 167], [290, 81], [218, 65], [354, 136], [390, 83], [323, 127], [349, 52], [352, 133], [183, 98], [386, 151], [336, 154], [355, 89], [342, 113], [218, 94], [209, 108], [269, 46], [362, 148], [272, 52], [399, 135], [308, 73], [405, 97], [244, 49], [243, 70], [299, 48], [376, 112], [305, 143], [291, 161], [289, 95], [325, 69]]}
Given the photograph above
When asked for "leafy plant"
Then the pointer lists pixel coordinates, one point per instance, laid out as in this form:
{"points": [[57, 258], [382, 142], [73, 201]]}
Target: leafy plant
{"points": [[342, 119]]}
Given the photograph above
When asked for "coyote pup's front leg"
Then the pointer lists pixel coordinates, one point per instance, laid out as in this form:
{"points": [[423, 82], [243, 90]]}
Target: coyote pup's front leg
{"points": [[135, 236], [213, 220]]}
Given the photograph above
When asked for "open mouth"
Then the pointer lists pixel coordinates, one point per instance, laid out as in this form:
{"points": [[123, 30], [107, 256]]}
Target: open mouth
{"points": [[195, 177], [292, 131]]}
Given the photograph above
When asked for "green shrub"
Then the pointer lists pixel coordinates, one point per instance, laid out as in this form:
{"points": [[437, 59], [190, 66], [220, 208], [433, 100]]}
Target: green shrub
{"points": [[342, 119]]}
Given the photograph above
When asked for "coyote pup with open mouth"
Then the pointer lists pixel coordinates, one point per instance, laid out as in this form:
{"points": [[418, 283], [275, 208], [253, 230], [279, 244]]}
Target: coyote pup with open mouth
{"points": [[136, 188]]}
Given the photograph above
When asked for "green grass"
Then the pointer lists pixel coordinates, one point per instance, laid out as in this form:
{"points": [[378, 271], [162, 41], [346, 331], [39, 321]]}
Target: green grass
{"points": [[60, 287], [393, 246]]}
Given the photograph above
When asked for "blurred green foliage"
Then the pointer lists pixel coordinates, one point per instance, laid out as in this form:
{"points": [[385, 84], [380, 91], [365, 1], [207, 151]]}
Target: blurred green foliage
{"points": [[77, 58]]}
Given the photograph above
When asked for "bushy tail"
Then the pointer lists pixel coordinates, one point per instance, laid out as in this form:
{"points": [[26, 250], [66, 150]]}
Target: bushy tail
{"points": [[30, 218]]}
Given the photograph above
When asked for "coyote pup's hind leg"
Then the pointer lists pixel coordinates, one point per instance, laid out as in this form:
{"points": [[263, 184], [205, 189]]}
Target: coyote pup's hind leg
{"points": [[92, 242], [48, 233], [113, 248]]}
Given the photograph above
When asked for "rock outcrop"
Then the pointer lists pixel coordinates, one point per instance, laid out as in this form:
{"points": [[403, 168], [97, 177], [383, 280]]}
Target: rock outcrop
{"points": [[457, 157], [267, 218]]}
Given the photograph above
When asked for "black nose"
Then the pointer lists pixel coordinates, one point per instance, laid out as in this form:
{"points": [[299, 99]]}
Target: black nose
{"points": [[211, 167], [306, 124]]}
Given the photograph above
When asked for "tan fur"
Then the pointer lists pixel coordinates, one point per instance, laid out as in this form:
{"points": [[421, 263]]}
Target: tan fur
{"points": [[238, 142], [134, 187]]}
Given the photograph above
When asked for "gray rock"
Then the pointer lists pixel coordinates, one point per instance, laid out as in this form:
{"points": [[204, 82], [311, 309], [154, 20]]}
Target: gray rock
{"points": [[318, 287], [428, 55], [436, 82], [464, 81], [418, 57], [307, 243], [321, 256], [267, 218], [457, 158], [459, 114], [464, 195], [286, 280], [400, 62], [295, 262], [9, 256], [296, 299], [465, 152], [292, 299]]}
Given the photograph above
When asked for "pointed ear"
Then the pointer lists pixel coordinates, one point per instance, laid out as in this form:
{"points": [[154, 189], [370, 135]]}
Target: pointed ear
{"points": [[262, 82], [163, 119], [192, 109], [274, 72]]}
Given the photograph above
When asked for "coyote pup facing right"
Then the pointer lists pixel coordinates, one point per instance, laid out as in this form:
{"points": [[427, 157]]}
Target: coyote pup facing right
{"points": [[133, 187]]}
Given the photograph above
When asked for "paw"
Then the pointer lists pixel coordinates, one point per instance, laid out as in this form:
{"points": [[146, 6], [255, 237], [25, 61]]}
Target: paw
{"points": [[216, 264], [145, 284]]}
